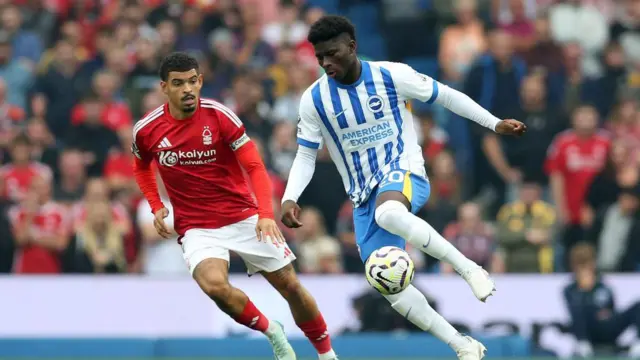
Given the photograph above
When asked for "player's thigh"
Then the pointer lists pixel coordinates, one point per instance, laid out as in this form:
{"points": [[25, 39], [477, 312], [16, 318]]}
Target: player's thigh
{"points": [[402, 185], [206, 258], [369, 235], [258, 256]]}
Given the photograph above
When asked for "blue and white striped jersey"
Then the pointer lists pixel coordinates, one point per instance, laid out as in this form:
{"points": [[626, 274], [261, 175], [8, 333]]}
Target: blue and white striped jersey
{"points": [[366, 126]]}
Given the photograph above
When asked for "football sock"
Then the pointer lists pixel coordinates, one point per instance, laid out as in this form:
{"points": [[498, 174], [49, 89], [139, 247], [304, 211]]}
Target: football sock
{"points": [[394, 217], [412, 304], [252, 318], [316, 331]]}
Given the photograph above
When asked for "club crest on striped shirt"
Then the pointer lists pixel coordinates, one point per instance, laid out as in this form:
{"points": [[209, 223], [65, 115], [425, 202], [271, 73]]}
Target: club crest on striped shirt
{"points": [[375, 103]]}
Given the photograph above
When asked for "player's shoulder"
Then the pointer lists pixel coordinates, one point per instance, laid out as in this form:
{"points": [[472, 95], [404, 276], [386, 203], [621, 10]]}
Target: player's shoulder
{"points": [[306, 100], [391, 66], [219, 111], [148, 121]]}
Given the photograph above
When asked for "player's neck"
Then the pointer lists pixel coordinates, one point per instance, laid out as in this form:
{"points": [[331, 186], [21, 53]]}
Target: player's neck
{"points": [[179, 114], [353, 75]]}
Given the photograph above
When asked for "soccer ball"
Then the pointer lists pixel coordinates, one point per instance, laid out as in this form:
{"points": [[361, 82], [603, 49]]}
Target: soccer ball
{"points": [[389, 270]]}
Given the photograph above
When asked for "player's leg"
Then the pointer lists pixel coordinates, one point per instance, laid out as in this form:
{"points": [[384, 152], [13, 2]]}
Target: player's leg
{"points": [[209, 266], [399, 196], [303, 308], [410, 303]]}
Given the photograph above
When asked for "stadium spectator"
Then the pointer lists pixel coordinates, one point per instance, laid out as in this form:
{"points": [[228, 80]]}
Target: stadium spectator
{"points": [[525, 232], [515, 159], [285, 108], [27, 46], [96, 191], [434, 138], [289, 29], [43, 144], [604, 189], [98, 245], [319, 252], [545, 55], [59, 88], [40, 20], [144, 76], [18, 174], [456, 59], [69, 186], [474, 238], [519, 25], [41, 230], [92, 136], [616, 229], [595, 321], [16, 75], [575, 157], [192, 37], [574, 21], [282, 148], [614, 82]]}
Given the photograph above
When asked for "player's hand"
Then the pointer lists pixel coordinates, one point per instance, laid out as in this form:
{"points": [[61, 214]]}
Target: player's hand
{"points": [[511, 127], [160, 225], [268, 228], [290, 213]]}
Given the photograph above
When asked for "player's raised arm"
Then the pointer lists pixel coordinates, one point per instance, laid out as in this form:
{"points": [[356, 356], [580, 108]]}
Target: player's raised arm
{"points": [[415, 85], [304, 164], [146, 180]]}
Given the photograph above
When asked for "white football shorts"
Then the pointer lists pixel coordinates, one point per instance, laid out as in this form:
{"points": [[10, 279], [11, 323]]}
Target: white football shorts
{"points": [[201, 244]]}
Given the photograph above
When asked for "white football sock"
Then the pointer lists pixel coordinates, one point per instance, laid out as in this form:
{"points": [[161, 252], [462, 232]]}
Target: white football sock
{"points": [[331, 355], [412, 304], [394, 217]]}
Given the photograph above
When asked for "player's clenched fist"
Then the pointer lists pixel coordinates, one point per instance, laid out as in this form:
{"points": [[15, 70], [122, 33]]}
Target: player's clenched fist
{"points": [[511, 127], [160, 225], [290, 213], [267, 228]]}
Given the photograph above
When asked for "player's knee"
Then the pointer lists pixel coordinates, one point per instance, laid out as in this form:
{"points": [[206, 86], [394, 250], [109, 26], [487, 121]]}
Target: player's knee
{"points": [[291, 289], [384, 212], [216, 287]]}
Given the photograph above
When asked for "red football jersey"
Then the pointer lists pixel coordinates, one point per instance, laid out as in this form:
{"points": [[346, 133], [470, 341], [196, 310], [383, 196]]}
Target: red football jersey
{"points": [[18, 179], [51, 219], [579, 160], [197, 164]]}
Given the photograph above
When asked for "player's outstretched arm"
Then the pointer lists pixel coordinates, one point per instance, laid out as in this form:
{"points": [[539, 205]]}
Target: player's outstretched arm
{"points": [[300, 176], [464, 106]]}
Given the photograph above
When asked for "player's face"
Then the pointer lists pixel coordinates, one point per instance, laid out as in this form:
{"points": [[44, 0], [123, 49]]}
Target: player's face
{"points": [[336, 56], [183, 90]]}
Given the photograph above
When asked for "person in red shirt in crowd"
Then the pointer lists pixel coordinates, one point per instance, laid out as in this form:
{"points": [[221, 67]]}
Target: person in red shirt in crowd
{"points": [[40, 228], [575, 157], [115, 115], [201, 148], [19, 173]]}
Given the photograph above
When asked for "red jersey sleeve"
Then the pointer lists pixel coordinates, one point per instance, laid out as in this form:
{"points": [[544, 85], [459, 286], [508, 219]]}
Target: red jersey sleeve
{"points": [[555, 156], [143, 172], [231, 128]]}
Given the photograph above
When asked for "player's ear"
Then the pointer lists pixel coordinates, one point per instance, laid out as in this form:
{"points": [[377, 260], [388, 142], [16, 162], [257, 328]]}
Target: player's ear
{"points": [[163, 86], [352, 46]]}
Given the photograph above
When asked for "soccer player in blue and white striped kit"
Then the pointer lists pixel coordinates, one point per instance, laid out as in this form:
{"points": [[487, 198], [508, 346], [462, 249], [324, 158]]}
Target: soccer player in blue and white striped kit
{"points": [[358, 109]]}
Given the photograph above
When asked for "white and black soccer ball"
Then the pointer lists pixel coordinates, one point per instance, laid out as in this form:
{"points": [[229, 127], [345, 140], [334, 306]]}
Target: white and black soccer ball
{"points": [[389, 270]]}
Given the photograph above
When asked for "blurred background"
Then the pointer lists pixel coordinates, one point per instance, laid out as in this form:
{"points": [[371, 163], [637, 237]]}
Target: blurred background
{"points": [[75, 75]]}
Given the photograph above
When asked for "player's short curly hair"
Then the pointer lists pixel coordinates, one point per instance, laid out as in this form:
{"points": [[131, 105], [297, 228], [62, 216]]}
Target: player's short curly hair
{"points": [[179, 62], [330, 27]]}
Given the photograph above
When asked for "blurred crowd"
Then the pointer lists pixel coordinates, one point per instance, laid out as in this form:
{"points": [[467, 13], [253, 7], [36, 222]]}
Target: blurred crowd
{"points": [[75, 75]]}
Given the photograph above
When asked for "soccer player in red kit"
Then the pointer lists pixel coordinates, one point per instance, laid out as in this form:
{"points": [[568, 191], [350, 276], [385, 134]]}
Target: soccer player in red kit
{"points": [[200, 148]]}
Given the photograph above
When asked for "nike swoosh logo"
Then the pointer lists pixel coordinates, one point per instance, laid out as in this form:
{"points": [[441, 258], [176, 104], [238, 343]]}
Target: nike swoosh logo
{"points": [[338, 114], [428, 241]]}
